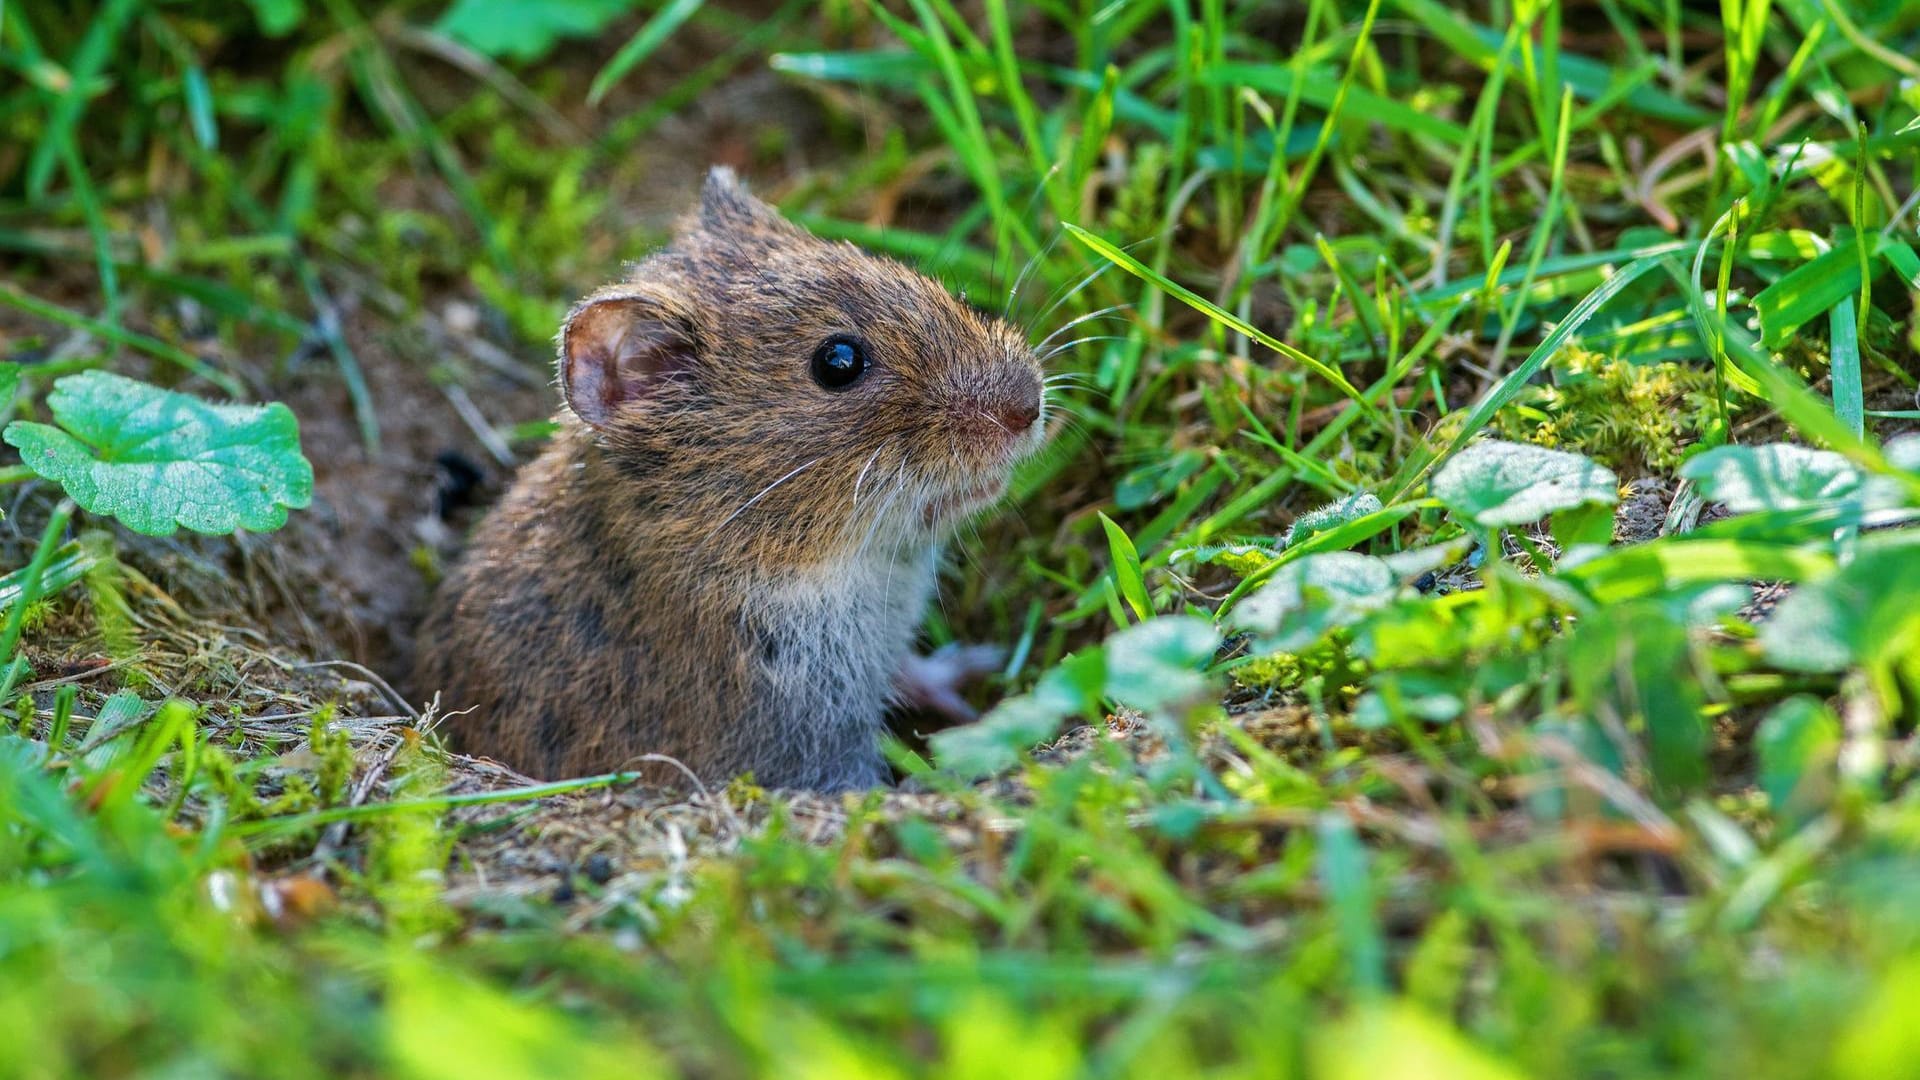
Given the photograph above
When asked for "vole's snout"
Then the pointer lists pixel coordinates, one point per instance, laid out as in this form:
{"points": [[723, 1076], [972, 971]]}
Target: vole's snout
{"points": [[1006, 408], [1017, 416]]}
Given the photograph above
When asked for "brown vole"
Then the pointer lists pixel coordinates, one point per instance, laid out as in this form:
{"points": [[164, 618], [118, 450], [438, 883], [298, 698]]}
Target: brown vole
{"points": [[725, 553]]}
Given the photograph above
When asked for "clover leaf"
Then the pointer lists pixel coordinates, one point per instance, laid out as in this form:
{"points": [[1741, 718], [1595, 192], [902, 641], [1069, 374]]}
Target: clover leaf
{"points": [[1158, 663], [1498, 485], [158, 460]]}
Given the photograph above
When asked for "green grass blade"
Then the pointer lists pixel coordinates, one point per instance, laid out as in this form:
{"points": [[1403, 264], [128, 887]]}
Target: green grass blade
{"points": [[1225, 318], [152, 346], [641, 45], [95, 50], [1849, 399]]}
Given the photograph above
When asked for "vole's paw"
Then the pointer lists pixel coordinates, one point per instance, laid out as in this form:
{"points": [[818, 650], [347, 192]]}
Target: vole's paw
{"points": [[933, 682]]}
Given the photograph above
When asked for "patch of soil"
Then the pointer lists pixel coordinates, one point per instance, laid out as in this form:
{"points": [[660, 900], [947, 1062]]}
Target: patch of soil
{"points": [[362, 560]]}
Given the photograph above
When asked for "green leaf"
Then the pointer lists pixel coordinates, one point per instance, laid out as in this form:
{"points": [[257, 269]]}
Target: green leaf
{"points": [[1590, 524], [1425, 697], [1778, 476], [1635, 661], [1862, 613], [1155, 481], [997, 740], [68, 564], [1498, 484], [9, 382], [880, 67], [1344, 877], [157, 460], [200, 109], [1843, 363], [1158, 663], [1807, 292], [1126, 570], [277, 17], [526, 29], [1671, 563], [1309, 597], [1798, 744], [1150, 667], [1379, 1040]]}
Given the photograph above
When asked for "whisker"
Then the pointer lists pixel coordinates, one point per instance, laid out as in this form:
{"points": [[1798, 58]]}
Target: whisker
{"points": [[1095, 275], [1071, 323], [863, 471], [1073, 291], [1058, 349], [1020, 282], [894, 491], [763, 494]]}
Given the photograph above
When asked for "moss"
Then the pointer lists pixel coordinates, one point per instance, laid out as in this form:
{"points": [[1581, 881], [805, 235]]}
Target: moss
{"points": [[1636, 418], [331, 746], [1328, 662]]}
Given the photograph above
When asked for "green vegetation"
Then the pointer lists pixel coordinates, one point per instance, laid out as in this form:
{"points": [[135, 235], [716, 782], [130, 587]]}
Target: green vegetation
{"points": [[1420, 743]]}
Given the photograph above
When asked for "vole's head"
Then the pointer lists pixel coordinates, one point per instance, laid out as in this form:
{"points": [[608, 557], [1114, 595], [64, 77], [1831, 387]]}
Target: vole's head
{"points": [[770, 394]]}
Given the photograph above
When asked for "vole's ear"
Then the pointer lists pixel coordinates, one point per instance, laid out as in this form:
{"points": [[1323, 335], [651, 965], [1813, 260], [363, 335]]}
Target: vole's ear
{"points": [[619, 349], [726, 206]]}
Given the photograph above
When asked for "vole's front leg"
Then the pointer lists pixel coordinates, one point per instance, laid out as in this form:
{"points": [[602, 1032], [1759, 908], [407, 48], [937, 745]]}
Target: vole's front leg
{"points": [[933, 682]]}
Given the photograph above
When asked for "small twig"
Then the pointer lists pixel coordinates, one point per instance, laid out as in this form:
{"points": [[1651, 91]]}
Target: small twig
{"points": [[405, 705], [336, 834], [477, 422]]}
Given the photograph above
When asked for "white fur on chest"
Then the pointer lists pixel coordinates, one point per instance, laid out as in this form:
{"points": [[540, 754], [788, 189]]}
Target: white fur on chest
{"points": [[833, 638]]}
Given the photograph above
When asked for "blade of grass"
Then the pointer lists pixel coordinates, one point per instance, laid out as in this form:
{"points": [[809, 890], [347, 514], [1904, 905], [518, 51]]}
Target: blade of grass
{"points": [[1233, 322], [1849, 399], [152, 346], [32, 583], [89, 59], [1297, 190], [645, 41]]}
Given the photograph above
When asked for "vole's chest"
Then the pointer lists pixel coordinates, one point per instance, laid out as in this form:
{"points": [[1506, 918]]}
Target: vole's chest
{"points": [[847, 627]]}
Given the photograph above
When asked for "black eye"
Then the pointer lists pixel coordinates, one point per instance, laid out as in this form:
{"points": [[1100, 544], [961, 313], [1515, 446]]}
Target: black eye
{"points": [[839, 362]]}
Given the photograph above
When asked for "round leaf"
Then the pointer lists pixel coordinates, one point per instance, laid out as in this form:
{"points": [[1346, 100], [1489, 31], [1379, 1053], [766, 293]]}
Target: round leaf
{"points": [[1310, 596], [1157, 663], [1862, 613], [1773, 477], [158, 460], [1498, 484]]}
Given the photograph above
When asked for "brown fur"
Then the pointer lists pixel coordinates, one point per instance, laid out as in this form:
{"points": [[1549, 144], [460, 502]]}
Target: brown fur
{"points": [[731, 564]]}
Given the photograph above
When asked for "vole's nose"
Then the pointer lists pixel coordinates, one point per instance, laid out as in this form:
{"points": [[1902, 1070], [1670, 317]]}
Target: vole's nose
{"points": [[1003, 408], [1018, 416]]}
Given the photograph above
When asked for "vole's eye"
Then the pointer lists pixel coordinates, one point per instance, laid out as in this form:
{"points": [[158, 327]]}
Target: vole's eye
{"points": [[839, 361]]}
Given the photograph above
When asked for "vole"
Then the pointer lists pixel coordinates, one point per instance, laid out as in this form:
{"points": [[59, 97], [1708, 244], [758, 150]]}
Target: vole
{"points": [[725, 552]]}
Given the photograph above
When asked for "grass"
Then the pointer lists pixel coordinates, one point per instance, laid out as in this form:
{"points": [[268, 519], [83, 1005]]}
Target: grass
{"points": [[1439, 780]]}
